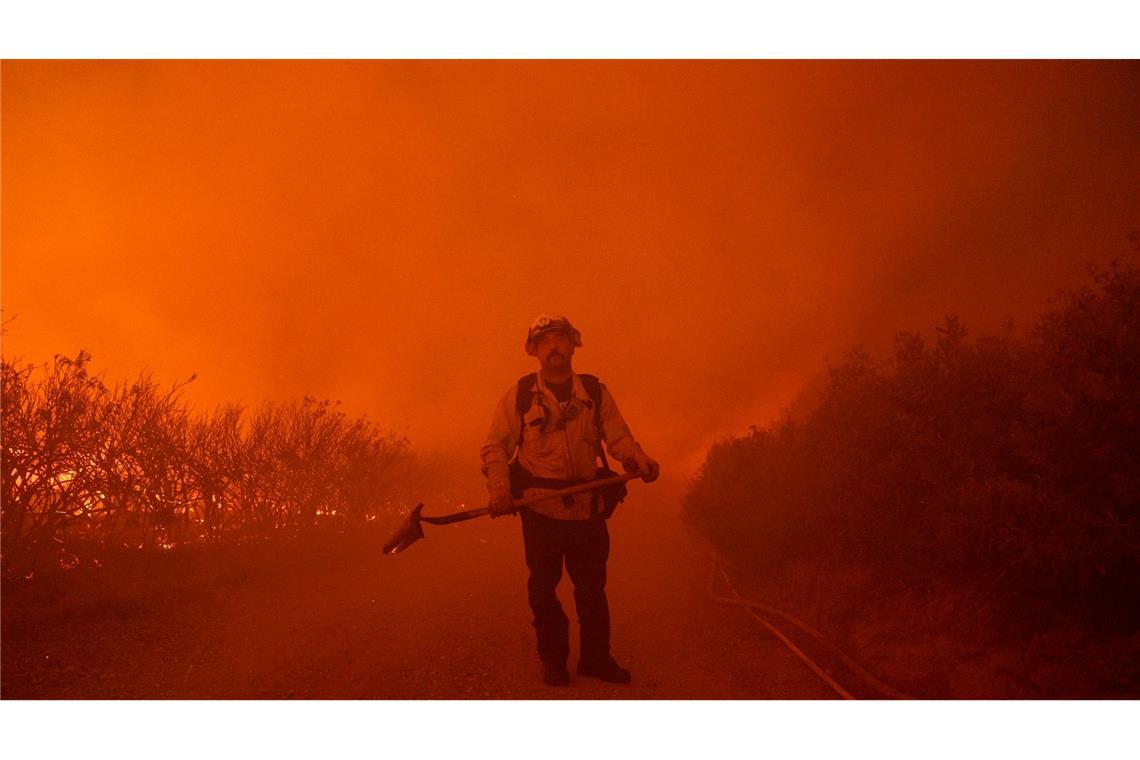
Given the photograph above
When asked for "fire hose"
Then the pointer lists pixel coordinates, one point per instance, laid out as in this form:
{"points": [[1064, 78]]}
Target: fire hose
{"points": [[751, 608]]}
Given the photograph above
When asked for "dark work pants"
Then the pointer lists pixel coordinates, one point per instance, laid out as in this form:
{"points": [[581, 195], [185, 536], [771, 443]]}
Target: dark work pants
{"points": [[584, 545]]}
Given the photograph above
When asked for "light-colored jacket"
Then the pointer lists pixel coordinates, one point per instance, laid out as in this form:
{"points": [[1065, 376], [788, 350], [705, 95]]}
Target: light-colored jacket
{"points": [[570, 452]]}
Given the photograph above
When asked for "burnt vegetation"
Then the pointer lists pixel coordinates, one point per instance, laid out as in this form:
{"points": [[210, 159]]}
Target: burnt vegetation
{"points": [[1006, 466], [91, 469]]}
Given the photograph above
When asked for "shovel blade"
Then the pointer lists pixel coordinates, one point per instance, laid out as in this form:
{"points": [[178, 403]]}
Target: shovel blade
{"points": [[408, 533]]}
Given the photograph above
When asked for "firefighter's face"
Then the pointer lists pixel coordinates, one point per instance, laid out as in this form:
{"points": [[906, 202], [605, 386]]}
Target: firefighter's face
{"points": [[554, 349]]}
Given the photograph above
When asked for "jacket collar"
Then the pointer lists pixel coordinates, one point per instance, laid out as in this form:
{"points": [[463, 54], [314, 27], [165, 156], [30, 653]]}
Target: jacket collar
{"points": [[577, 389]]}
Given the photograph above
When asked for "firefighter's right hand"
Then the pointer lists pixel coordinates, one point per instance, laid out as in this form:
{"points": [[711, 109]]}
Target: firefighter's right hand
{"points": [[501, 504]]}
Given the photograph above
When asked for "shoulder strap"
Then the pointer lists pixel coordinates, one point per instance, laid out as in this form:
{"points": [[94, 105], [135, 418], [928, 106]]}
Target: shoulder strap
{"points": [[593, 388], [525, 396]]}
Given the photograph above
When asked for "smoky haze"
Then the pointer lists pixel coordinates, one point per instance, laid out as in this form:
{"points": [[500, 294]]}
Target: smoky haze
{"points": [[383, 232]]}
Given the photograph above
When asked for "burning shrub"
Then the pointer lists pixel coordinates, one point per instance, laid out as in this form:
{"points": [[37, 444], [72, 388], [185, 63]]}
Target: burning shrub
{"points": [[87, 465]]}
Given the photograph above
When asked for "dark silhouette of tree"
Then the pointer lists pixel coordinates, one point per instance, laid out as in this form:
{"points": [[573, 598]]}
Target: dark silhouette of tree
{"points": [[1005, 464]]}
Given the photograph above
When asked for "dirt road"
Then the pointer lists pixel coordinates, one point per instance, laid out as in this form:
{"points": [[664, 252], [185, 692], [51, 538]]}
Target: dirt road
{"points": [[447, 619]]}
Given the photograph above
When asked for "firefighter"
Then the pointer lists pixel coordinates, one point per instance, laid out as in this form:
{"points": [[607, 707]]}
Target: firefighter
{"points": [[547, 433]]}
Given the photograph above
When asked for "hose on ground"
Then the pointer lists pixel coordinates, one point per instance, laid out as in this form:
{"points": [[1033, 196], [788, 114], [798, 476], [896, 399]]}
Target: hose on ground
{"points": [[751, 607]]}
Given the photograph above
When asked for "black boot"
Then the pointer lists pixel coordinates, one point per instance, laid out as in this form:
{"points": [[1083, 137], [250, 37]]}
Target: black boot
{"points": [[607, 670], [555, 674]]}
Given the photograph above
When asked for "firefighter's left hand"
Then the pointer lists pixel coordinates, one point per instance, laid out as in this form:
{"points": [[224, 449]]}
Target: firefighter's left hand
{"points": [[642, 463]]}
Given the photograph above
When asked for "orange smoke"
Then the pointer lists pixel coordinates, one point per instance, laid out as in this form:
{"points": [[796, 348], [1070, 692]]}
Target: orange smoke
{"points": [[383, 232]]}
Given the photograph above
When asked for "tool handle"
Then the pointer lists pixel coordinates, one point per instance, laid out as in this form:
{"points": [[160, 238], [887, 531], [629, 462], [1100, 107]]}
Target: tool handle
{"points": [[589, 485], [457, 517]]}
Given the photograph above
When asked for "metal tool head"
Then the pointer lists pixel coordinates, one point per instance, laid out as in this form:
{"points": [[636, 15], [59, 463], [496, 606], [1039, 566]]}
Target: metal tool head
{"points": [[408, 533]]}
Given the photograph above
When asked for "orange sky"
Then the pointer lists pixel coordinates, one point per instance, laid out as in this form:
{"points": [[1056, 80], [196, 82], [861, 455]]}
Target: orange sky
{"points": [[383, 232]]}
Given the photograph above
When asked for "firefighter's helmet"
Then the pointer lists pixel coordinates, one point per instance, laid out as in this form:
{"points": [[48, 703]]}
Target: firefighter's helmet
{"points": [[545, 323]]}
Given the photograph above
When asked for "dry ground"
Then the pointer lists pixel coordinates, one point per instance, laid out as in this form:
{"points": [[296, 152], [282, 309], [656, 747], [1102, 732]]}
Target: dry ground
{"points": [[446, 619]]}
